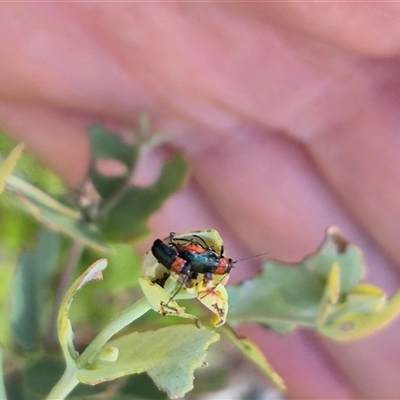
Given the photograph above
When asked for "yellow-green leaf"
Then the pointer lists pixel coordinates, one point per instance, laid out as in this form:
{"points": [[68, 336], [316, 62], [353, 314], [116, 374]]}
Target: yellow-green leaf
{"points": [[65, 333], [160, 300], [251, 350], [169, 355], [355, 325], [287, 295], [8, 164], [331, 293]]}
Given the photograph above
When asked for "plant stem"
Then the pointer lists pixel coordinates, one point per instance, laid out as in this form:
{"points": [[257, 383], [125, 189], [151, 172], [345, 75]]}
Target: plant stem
{"points": [[127, 316], [68, 381], [64, 386]]}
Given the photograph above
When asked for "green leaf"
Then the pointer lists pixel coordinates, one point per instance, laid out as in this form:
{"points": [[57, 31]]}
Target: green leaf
{"points": [[322, 292], [362, 318], [28, 290], [282, 294], [330, 295], [105, 145], [125, 209], [24, 313], [169, 355], [128, 219], [8, 164], [251, 351], [54, 214], [335, 249]]}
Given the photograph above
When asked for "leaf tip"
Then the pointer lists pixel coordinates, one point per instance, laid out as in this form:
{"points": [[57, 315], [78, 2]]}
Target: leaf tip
{"points": [[95, 272]]}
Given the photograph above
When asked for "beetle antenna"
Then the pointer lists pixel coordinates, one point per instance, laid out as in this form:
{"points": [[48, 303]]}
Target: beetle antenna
{"points": [[250, 258]]}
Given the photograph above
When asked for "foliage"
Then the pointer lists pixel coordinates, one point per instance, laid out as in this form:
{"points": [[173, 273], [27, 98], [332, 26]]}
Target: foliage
{"points": [[324, 292]]}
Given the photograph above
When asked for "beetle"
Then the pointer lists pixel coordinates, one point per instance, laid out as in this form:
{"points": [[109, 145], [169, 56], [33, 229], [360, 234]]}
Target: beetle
{"points": [[168, 256], [191, 258]]}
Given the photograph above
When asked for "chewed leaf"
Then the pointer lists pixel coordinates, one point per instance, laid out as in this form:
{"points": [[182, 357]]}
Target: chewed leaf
{"points": [[251, 350], [215, 298], [65, 333], [281, 294], [355, 322], [323, 292], [125, 208], [169, 355], [336, 249], [160, 300], [8, 164], [294, 294], [105, 145], [366, 298], [127, 219]]}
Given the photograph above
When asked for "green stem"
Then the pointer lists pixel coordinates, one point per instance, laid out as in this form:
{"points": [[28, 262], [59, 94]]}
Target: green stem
{"points": [[127, 316], [68, 381], [64, 386]]}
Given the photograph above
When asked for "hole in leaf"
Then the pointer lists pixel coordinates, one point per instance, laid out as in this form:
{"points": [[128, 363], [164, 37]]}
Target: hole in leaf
{"points": [[111, 168], [347, 326], [149, 168]]}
